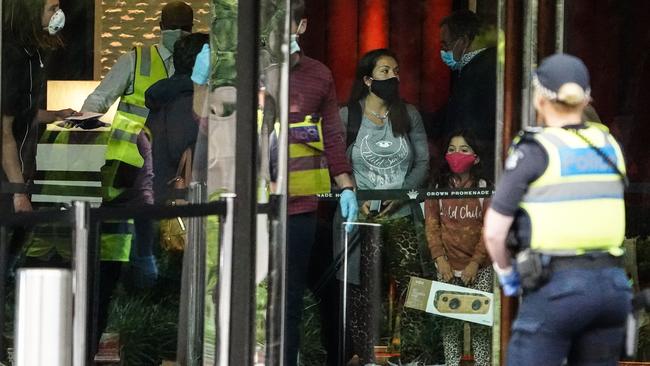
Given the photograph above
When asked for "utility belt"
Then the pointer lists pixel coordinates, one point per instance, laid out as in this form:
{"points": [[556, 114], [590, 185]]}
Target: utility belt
{"points": [[535, 268]]}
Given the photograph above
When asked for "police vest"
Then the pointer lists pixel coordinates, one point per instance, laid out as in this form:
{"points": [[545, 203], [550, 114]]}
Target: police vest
{"points": [[308, 172], [577, 204]]}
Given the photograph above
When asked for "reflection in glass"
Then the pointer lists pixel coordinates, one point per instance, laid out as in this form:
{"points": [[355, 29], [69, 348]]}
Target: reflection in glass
{"points": [[346, 33]]}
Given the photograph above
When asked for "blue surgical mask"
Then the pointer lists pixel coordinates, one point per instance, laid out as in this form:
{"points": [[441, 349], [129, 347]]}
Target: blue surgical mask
{"points": [[170, 36], [448, 58], [294, 46]]}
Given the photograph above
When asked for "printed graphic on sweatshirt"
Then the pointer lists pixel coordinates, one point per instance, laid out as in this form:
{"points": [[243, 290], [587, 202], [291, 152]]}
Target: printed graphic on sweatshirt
{"points": [[462, 212], [385, 160]]}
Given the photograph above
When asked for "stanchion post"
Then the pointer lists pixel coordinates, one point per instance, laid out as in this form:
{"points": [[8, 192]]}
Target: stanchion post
{"points": [[366, 235], [224, 288], [196, 298], [43, 334], [80, 284]]}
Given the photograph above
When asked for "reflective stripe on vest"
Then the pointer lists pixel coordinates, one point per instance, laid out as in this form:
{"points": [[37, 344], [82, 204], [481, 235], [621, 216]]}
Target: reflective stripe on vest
{"points": [[149, 69], [577, 204], [116, 239], [133, 109], [122, 149], [68, 167], [130, 118], [308, 172]]}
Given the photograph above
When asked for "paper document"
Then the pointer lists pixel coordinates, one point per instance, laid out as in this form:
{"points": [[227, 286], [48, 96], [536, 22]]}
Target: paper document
{"points": [[85, 115]]}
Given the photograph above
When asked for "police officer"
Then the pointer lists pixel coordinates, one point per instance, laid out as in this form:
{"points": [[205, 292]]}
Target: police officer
{"points": [[563, 189]]}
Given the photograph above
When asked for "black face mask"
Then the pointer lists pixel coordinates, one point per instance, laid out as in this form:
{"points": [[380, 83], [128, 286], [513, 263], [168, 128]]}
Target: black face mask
{"points": [[387, 90]]}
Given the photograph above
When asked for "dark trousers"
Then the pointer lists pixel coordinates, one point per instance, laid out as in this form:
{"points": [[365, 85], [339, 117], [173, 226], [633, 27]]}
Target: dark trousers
{"points": [[109, 275], [301, 230], [323, 283], [579, 315]]}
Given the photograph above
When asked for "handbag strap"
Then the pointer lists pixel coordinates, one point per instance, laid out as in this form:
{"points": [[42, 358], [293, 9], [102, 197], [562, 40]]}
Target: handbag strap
{"points": [[185, 166]]}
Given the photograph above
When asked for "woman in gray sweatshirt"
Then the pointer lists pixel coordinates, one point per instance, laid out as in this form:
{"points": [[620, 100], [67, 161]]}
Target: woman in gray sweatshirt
{"points": [[387, 146]]}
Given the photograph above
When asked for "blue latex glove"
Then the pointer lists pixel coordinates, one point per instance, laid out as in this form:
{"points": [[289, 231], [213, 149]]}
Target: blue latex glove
{"points": [[144, 271], [349, 208], [201, 69], [510, 282]]}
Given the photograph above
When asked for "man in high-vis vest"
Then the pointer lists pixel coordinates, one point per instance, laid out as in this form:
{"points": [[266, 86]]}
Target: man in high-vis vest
{"points": [[316, 152], [127, 177], [563, 189]]}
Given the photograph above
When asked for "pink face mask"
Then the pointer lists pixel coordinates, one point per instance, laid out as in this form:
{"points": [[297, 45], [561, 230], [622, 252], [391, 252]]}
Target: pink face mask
{"points": [[459, 162]]}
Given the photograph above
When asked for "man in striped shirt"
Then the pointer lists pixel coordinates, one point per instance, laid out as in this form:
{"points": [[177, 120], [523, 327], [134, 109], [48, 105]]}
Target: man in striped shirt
{"points": [[311, 92]]}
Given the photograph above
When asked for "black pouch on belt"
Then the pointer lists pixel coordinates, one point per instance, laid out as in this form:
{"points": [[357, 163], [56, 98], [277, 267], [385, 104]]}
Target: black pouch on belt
{"points": [[533, 271]]}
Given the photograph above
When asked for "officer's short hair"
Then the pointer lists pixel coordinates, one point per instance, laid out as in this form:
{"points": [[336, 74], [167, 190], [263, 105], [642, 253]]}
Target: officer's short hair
{"points": [[462, 23], [185, 51]]}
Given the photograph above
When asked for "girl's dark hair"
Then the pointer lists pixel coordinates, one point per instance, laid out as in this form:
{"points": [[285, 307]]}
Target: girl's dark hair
{"points": [[185, 51], [22, 22], [476, 171], [397, 112]]}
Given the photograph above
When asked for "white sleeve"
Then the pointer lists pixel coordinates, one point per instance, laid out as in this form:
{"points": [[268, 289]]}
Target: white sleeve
{"points": [[118, 80]]}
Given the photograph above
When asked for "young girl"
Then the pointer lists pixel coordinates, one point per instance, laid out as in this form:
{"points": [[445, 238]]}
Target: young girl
{"points": [[453, 229]]}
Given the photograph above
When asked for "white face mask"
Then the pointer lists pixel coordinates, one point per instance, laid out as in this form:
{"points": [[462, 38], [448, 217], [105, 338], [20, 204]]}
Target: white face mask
{"points": [[170, 36], [57, 21]]}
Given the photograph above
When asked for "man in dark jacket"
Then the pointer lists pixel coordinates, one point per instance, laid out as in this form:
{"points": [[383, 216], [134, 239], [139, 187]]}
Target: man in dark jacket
{"points": [[172, 123], [468, 48]]}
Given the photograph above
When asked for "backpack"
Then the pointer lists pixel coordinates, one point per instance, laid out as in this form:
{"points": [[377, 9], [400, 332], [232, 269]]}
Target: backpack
{"points": [[354, 122]]}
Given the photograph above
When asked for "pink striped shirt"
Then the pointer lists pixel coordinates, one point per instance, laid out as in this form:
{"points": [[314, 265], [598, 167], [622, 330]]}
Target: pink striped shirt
{"points": [[312, 91]]}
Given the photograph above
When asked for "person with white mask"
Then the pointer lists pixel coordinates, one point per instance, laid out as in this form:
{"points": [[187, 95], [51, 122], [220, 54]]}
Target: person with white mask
{"points": [[29, 30]]}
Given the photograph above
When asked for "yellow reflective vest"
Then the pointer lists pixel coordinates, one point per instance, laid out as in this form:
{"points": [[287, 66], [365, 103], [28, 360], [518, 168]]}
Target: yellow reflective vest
{"points": [[308, 172], [130, 118], [122, 147], [577, 204]]}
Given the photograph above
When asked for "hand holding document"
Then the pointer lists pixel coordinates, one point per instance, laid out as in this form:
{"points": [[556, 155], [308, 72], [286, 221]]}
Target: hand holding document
{"points": [[80, 121], [83, 116]]}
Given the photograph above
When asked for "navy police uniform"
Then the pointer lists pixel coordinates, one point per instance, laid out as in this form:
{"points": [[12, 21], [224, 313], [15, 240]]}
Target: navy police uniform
{"points": [[564, 187]]}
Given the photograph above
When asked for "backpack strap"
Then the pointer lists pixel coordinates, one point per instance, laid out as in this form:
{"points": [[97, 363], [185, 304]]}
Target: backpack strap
{"points": [[354, 122]]}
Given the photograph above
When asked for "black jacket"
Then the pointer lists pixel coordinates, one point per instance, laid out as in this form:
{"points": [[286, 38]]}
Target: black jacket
{"points": [[472, 103], [173, 128]]}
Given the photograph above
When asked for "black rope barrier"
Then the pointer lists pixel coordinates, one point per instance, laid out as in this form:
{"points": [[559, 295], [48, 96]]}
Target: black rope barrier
{"points": [[46, 216], [219, 207]]}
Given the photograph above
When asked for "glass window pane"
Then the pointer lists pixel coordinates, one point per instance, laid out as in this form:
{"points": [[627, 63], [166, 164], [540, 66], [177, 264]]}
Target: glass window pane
{"points": [[619, 88], [420, 128]]}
